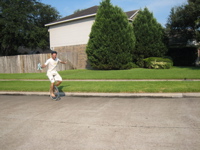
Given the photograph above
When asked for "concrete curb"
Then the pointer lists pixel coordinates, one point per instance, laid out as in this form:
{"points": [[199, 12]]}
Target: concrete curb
{"points": [[125, 95]]}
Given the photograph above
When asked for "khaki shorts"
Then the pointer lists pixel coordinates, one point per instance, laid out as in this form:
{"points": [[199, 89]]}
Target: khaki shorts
{"points": [[53, 77]]}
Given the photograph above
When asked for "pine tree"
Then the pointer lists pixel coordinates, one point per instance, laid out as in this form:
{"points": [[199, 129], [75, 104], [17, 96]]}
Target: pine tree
{"points": [[111, 40], [149, 37]]}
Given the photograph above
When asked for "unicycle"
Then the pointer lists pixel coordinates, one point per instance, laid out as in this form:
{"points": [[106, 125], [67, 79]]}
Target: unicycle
{"points": [[56, 93]]}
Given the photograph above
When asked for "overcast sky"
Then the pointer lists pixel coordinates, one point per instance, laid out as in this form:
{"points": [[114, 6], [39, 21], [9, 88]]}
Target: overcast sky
{"points": [[160, 8]]}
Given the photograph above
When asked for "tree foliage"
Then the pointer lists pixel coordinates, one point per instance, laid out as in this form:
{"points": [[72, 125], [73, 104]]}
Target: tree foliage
{"points": [[111, 40], [184, 21], [150, 37], [78, 10], [22, 24]]}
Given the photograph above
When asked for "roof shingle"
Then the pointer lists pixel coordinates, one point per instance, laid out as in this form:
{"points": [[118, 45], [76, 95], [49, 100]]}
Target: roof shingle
{"points": [[86, 12]]}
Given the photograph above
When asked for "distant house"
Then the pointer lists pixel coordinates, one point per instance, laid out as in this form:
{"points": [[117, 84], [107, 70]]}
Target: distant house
{"points": [[71, 33]]}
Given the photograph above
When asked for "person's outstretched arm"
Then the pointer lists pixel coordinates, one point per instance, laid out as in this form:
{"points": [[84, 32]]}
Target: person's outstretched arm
{"points": [[63, 62]]}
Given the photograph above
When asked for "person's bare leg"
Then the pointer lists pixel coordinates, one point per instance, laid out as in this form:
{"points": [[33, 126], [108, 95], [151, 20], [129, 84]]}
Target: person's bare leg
{"points": [[58, 83], [51, 89]]}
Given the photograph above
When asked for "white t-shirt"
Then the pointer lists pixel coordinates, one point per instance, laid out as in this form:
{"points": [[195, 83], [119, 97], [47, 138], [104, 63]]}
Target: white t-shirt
{"points": [[52, 64]]}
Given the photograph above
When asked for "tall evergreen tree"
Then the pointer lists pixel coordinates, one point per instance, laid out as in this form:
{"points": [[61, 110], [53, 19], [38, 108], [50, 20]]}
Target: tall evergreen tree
{"points": [[149, 37], [111, 40]]}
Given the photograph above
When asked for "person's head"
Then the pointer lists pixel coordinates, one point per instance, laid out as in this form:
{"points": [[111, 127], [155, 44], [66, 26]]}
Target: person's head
{"points": [[54, 54]]}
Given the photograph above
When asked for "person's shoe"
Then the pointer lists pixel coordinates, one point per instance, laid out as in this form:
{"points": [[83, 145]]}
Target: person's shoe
{"points": [[54, 98]]}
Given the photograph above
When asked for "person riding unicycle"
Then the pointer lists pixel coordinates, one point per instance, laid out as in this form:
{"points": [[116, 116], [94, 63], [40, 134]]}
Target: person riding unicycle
{"points": [[52, 73]]}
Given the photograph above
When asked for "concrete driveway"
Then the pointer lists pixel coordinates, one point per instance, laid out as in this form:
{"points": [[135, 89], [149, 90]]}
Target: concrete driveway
{"points": [[96, 123]]}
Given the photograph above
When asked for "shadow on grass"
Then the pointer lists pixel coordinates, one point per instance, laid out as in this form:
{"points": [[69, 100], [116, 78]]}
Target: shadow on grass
{"points": [[62, 93]]}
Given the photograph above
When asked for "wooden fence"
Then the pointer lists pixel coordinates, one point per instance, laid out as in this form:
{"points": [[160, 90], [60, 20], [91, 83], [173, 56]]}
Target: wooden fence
{"points": [[28, 63]]}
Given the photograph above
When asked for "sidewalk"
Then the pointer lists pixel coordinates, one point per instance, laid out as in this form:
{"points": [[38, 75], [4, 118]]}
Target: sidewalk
{"points": [[125, 95]]}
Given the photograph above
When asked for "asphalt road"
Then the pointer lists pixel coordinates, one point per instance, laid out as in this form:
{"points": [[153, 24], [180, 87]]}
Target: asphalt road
{"points": [[97, 123]]}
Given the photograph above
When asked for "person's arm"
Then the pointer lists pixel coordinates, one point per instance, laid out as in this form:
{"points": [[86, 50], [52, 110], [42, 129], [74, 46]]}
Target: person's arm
{"points": [[43, 66], [63, 62]]}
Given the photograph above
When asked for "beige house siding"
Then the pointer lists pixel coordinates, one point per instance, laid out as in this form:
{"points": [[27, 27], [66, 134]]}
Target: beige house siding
{"points": [[70, 33]]}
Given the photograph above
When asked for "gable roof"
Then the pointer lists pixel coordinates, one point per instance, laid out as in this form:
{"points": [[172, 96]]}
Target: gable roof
{"points": [[89, 12], [131, 14]]}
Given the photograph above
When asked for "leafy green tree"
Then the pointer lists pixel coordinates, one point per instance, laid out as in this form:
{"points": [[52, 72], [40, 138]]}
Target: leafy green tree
{"points": [[150, 37], [112, 39], [78, 10], [22, 24], [184, 22]]}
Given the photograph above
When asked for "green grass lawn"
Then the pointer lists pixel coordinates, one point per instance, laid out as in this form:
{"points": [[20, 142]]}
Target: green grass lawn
{"points": [[110, 86], [137, 73], [103, 86]]}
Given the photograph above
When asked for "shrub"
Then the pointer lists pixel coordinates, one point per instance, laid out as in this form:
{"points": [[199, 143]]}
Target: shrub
{"points": [[158, 63]]}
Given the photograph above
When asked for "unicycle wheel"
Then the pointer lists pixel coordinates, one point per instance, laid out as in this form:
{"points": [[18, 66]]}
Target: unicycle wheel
{"points": [[56, 93]]}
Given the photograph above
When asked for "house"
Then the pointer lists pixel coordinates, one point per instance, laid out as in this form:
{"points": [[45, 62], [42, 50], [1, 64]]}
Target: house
{"points": [[71, 33]]}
